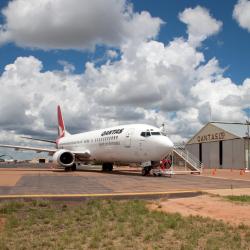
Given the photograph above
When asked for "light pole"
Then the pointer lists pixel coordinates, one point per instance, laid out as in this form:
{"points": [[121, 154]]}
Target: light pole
{"points": [[248, 153]]}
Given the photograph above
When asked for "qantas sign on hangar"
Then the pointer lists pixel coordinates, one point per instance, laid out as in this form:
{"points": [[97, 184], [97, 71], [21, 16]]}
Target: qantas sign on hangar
{"points": [[222, 145]]}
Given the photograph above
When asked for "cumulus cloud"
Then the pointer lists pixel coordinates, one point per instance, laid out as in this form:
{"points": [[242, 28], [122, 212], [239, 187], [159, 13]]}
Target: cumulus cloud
{"points": [[75, 24], [241, 14], [200, 24], [67, 67], [111, 53], [214, 93], [29, 97]]}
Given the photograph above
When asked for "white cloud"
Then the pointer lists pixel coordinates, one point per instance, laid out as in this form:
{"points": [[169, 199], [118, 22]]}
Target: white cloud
{"points": [[111, 53], [29, 97], [152, 77], [213, 93], [200, 24], [241, 13], [67, 67], [77, 24]]}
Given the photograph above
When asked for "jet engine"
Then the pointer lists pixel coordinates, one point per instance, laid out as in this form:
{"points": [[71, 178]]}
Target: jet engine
{"points": [[64, 158]]}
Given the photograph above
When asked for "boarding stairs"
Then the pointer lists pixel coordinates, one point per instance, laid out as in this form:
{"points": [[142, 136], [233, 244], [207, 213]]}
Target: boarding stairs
{"points": [[191, 162]]}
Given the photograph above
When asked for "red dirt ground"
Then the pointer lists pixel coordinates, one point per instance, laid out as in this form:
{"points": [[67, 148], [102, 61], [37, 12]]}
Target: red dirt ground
{"points": [[207, 206], [2, 223], [234, 174]]}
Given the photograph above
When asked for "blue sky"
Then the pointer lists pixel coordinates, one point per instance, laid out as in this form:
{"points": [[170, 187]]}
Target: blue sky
{"points": [[114, 62], [230, 45]]}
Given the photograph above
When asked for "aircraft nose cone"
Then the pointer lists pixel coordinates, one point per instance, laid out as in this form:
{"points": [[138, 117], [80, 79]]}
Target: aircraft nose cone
{"points": [[168, 143], [165, 145]]}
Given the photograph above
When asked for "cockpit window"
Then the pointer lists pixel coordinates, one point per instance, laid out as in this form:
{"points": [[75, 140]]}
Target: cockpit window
{"points": [[145, 134], [155, 133]]}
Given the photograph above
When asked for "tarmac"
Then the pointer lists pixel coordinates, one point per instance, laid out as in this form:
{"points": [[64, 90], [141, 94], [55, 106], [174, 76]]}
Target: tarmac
{"points": [[36, 182]]}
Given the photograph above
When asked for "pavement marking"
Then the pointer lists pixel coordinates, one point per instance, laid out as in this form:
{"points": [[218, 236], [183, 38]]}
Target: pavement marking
{"points": [[98, 195]]}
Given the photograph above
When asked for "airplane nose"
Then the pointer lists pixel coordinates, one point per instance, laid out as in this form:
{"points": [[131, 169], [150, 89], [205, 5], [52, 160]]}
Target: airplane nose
{"points": [[168, 143]]}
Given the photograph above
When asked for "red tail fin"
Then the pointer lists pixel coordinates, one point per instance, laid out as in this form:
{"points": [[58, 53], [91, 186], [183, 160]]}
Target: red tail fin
{"points": [[61, 127]]}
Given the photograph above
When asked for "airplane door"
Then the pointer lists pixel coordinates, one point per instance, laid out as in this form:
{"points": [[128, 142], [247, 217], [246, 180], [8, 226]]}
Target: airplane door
{"points": [[128, 137], [143, 147]]}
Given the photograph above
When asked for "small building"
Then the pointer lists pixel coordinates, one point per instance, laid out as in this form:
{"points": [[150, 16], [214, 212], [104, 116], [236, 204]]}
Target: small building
{"points": [[222, 145], [39, 160]]}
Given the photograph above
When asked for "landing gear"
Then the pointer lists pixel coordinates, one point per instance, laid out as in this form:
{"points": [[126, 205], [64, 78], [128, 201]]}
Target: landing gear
{"points": [[107, 166], [72, 168], [146, 170]]}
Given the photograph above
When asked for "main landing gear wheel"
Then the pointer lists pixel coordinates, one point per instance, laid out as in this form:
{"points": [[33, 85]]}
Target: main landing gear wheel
{"points": [[107, 166], [73, 168], [145, 171]]}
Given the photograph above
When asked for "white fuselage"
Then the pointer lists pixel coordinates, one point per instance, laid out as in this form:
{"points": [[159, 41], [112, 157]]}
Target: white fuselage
{"points": [[128, 143]]}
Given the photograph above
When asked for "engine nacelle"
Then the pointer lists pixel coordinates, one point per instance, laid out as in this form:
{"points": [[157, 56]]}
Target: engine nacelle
{"points": [[64, 158]]}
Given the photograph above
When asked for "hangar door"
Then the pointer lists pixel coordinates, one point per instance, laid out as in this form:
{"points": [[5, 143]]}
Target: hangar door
{"points": [[210, 154]]}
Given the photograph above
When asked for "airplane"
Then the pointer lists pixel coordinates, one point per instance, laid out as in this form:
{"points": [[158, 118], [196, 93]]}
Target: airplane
{"points": [[11, 160], [134, 143]]}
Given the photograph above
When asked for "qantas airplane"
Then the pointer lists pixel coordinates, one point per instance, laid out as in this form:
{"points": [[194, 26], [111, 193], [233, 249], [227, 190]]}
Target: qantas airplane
{"points": [[135, 143]]}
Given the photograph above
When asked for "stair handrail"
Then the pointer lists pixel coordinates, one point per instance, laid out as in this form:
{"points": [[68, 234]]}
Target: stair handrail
{"points": [[190, 158]]}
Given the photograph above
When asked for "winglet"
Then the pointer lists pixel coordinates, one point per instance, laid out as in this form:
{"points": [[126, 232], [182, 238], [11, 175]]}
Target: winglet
{"points": [[61, 128]]}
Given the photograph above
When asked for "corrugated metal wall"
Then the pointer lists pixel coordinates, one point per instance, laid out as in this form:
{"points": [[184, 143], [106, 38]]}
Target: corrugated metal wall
{"points": [[247, 153], [238, 154], [193, 149], [206, 155], [233, 154], [214, 155]]}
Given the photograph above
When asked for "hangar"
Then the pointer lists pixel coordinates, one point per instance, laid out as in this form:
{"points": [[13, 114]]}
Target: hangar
{"points": [[222, 145]]}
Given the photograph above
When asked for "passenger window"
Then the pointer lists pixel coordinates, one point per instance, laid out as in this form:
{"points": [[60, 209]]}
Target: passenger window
{"points": [[147, 133]]}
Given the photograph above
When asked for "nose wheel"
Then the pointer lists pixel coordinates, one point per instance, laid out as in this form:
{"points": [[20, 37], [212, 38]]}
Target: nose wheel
{"points": [[107, 166], [146, 170]]}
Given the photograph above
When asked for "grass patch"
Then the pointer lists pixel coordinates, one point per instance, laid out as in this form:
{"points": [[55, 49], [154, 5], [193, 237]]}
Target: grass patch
{"points": [[240, 198], [108, 224]]}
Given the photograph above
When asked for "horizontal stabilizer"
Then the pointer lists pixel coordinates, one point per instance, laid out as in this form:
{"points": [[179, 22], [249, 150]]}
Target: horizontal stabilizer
{"points": [[38, 139]]}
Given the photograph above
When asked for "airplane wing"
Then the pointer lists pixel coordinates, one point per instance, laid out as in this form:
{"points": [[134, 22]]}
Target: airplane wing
{"points": [[51, 151], [79, 154]]}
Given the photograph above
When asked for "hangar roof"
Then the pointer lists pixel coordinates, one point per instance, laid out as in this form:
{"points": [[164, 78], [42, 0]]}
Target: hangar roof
{"points": [[238, 129], [225, 131]]}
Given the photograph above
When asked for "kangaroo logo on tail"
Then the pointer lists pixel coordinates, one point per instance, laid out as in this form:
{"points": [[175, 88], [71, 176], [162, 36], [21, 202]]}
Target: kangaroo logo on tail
{"points": [[61, 127]]}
